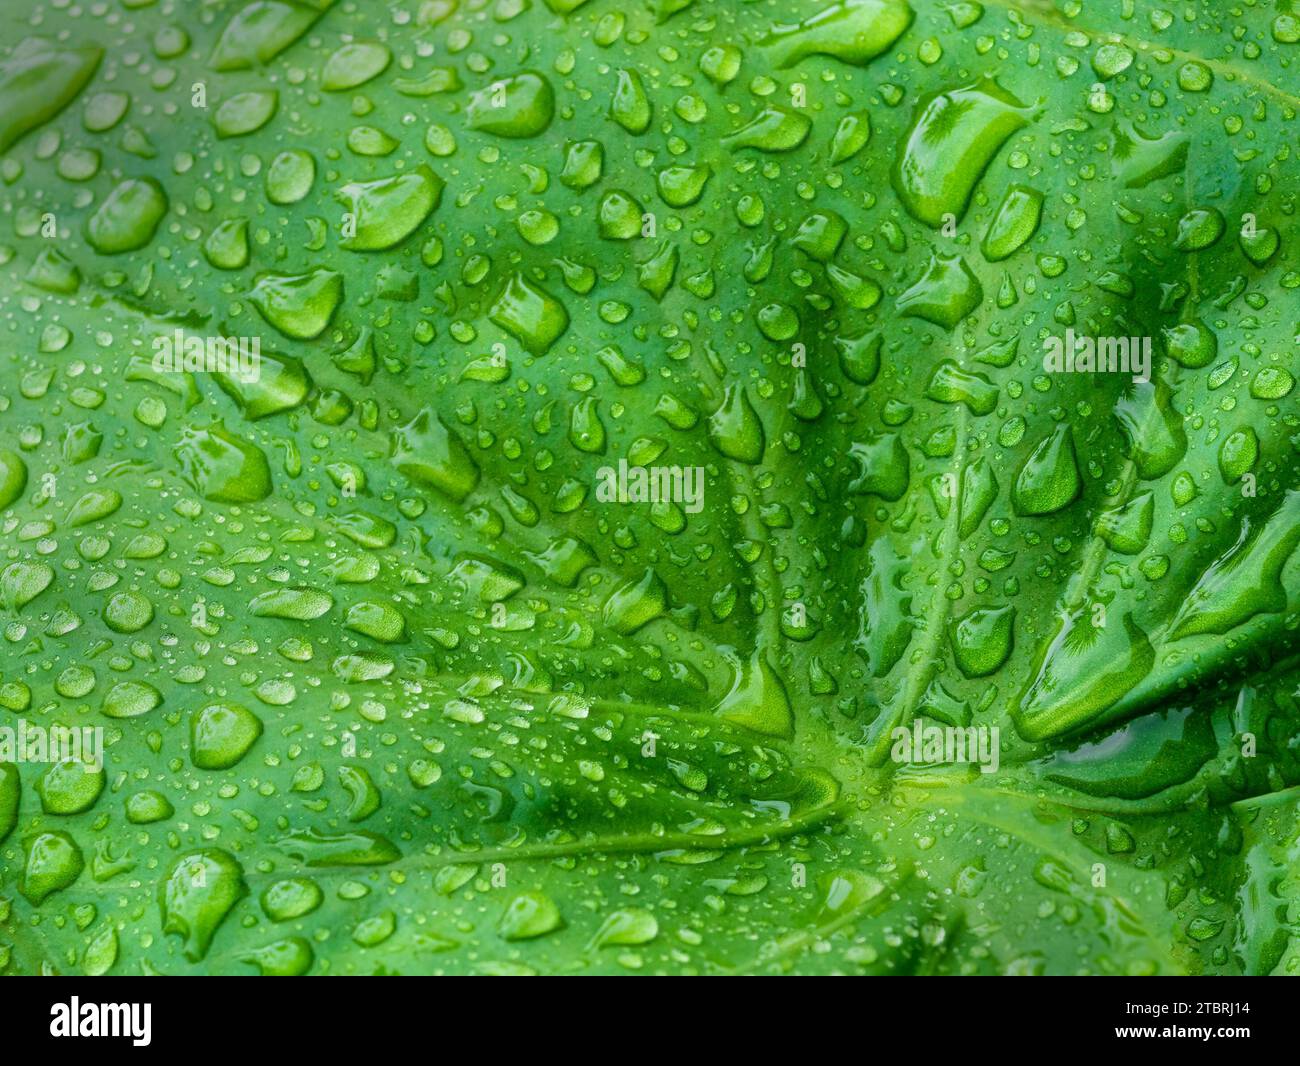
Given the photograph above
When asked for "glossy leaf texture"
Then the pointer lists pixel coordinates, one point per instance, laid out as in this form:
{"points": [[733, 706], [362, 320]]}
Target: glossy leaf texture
{"points": [[392, 680]]}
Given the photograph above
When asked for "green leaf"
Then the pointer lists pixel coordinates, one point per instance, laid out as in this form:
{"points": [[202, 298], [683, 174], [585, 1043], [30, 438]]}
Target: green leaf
{"points": [[696, 494]]}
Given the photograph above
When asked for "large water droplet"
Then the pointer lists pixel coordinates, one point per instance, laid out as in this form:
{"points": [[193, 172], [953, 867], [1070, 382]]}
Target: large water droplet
{"points": [[222, 467], [954, 136], [518, 106], [128, 217], [427, 452], [221, 734], [298, 305], [1049, 479], [38, 81], [201, 889], [389, 210], [855, 31], [529, 313], [757, 700]]}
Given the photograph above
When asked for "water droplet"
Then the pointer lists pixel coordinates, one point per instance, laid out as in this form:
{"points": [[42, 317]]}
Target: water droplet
{"points": [[944, 294], [289, 177], [774, 129], [299, 603], [529, 915], [389, 210], [518, 106], [145, 808], [245, 113], [1245, 580], [38, 81], [201, 889], [427, 452], [354, 64], [298, 305], [529, 314], [1082, 671], [851, 136], [1199, 228], [636, 603], [954, 136], [260, 31], [630, 107], [222, 467], [70, 786], [1049, 479], [735, 429], [53, 862], [854, 31], [221, 734], [227, 245], [128, 612], [13, 477], [128, 217], [626, 927], [757, 700], [1192, 344], [1127, 528], [291, 898], [1014, 223]]}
